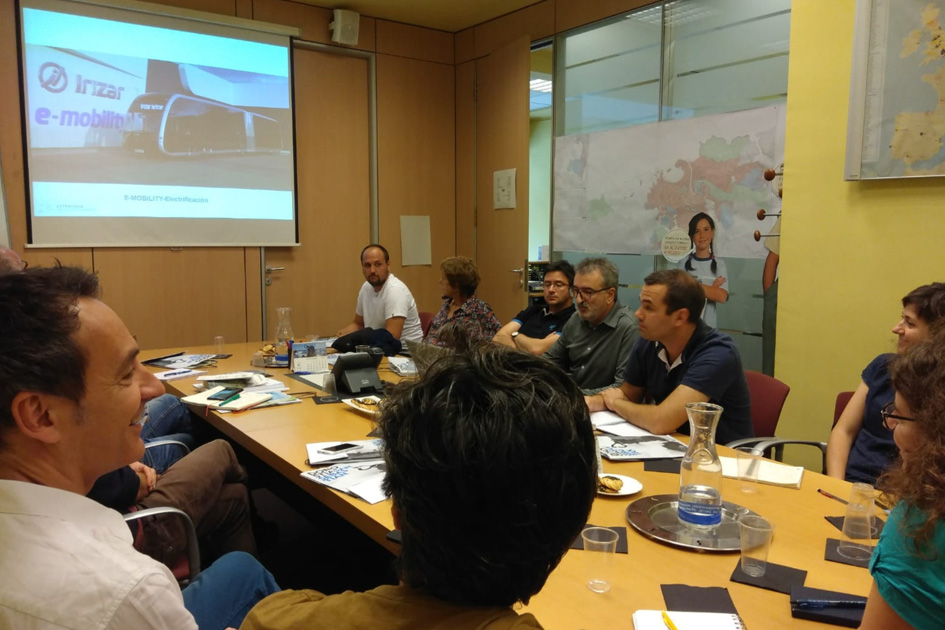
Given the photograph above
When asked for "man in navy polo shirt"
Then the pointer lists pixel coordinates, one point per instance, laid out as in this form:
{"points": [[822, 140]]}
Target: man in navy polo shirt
{"points": [[539, 325], [677, 360]]}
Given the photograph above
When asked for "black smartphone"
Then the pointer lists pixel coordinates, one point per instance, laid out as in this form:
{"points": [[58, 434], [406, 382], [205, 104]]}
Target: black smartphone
{"points": [[226, 393], [339, 448]]}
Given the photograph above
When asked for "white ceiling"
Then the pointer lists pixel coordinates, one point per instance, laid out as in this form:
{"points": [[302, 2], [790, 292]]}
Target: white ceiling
{"points": [[445, 15]]}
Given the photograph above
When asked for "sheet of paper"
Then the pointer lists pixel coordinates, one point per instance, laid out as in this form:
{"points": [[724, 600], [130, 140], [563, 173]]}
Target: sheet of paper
{"points": [[603, 418], [415, 245], [361, 479], [503, 189], [318, 380]]}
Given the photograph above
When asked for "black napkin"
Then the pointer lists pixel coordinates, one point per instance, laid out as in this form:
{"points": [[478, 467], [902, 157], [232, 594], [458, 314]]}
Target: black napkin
{"points": [[662, 465], [326, 400], [621, 538], [777, 577], [685, 598], [877, 528], [833, 555], [849, 617]]}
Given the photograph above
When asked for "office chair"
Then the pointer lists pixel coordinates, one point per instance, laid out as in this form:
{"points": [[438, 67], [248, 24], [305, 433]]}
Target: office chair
{"points": [[843, 399], [767, 400], [426, 318]]}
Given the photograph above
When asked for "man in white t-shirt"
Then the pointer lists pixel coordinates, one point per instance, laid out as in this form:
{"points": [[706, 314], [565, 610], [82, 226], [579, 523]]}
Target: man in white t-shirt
{"points": [[384, 301]]}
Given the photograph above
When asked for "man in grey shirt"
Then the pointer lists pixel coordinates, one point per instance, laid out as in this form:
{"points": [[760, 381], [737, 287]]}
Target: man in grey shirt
{"points": [[594, 344]]}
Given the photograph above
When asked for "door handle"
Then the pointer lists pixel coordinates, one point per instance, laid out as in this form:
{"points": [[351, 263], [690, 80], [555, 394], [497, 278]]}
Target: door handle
{"points": [[271, 269], [519, 270]]}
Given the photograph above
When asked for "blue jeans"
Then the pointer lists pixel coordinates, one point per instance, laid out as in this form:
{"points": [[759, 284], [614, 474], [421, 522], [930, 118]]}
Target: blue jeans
{"points": [[224, 593], [168, 419]]}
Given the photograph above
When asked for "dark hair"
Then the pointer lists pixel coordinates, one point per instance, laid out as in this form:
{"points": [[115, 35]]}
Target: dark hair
{"points": [[380, 247], [607, 269], [693, 225], [491, 466], [918, 376], [928, 301], [682, 291], [38, 320], [564, 267], [462, 273]]}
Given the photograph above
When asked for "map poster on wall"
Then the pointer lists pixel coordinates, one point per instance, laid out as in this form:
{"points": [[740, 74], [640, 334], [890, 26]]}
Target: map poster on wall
{"points": [[621, 191], [897, 90]]}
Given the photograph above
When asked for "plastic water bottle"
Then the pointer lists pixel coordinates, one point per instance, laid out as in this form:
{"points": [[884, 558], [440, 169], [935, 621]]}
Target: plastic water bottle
{"points": [[700, 474]]}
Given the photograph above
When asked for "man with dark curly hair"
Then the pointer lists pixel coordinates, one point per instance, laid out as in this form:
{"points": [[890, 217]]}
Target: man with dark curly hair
{"points": [[492, 472]]}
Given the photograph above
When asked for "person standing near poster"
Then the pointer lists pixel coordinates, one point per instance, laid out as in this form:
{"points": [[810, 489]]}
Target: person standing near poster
{"points": [[705, 267], [769, 284]]}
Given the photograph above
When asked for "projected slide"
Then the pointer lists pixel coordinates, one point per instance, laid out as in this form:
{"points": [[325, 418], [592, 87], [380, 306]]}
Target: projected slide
{"points": [[126, 120]]}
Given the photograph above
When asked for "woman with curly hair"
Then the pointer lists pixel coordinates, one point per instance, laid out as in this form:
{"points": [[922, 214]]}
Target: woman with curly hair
{"points": [[908, 566]]}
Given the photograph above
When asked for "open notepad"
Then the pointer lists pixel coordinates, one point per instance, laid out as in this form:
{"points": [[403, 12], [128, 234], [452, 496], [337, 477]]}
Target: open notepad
{"points": [[768, 472], [653, 620]]}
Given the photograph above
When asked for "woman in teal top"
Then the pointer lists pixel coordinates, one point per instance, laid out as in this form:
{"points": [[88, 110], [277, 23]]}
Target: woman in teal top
{"points": [[908, 566]]}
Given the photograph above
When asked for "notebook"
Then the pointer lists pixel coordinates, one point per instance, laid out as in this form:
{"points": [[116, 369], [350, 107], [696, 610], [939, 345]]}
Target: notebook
{"points": [[653, 620]]}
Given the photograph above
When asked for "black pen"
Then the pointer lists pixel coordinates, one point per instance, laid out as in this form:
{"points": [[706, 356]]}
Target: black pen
{"points": [[820, 604], [832, 496]]}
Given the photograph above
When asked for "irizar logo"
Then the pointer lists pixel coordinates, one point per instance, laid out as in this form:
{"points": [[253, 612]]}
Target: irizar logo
{"points": [[52, 77]]}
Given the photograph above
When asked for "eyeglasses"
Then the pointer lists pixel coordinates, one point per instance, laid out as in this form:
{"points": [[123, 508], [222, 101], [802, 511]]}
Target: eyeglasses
{"points": [[557, 285], [890, 419], [586, 294]]}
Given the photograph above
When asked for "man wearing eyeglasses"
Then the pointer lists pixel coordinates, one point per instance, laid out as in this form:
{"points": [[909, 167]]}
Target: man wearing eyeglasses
{"points": [[595, 342], [536, 328], [678, 360]]}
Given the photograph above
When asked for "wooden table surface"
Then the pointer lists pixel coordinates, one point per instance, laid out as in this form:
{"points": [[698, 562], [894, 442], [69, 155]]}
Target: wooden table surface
{"points": [[278, 436]]}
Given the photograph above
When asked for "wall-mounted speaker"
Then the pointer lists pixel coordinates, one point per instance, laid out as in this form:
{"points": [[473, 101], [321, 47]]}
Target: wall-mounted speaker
{"points": [[344, 27]]}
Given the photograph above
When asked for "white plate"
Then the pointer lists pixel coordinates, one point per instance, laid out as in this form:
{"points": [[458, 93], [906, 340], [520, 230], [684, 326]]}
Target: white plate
{"points": [[630, 486], [370, 413]]}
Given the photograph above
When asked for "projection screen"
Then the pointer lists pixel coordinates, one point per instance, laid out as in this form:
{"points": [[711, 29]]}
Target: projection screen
{"points": [[148, 129]]}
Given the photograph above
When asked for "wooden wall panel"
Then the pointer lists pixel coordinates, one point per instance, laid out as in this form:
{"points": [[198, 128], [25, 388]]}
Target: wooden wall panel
{"points": [[322, 276], [573, 13], [416, 157], [403, 40], [536, 22], [465, 46], [466, 160], [253, 283], [311, 21], [176, 297], [220, 7]]}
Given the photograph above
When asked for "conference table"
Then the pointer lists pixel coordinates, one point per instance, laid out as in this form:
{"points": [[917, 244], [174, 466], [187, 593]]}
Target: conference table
{"points": [[278, 435]]}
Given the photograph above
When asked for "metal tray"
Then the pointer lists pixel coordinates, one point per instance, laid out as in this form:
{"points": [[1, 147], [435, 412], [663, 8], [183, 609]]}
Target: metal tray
{"points": [[655, 517]]}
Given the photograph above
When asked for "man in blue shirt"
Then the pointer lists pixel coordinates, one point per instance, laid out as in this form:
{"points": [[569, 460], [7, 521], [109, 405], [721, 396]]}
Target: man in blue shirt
{"points": [[537, 327], [678, 360]]}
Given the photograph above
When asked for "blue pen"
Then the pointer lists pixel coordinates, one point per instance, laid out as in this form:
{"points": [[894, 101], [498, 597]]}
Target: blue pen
{"points": [[175, 373]]}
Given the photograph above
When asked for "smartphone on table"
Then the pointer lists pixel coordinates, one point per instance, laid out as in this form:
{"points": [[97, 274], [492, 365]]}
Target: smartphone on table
{"points": [[225, 393], [339, 448]]}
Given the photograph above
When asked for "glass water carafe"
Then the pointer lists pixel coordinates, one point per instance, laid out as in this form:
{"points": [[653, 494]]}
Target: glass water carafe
{"points": [[284, 335], [700, 474]]}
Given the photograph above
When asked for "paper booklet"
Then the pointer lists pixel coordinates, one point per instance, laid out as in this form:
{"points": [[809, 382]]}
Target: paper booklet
{"points": [[768, 472], [360, 479], [653, 620], [638, 445]]}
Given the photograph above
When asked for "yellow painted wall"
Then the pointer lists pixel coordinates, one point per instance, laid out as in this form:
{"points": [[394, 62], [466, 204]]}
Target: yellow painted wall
{"points": [[850, 250]]}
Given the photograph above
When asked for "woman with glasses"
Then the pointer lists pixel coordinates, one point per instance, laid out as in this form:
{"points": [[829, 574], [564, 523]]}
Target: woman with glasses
{"points": [[908, 565], [860, 448], [459, 280], [705, 267]]}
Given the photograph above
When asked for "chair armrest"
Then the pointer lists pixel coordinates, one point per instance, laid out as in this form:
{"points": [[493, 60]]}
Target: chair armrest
{"points": [[154, 443], [193, 550], [779, 443]]}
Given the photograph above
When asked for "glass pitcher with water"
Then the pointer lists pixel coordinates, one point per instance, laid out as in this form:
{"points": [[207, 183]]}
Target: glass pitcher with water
{"points": [[284, 335], [700, 474]]}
